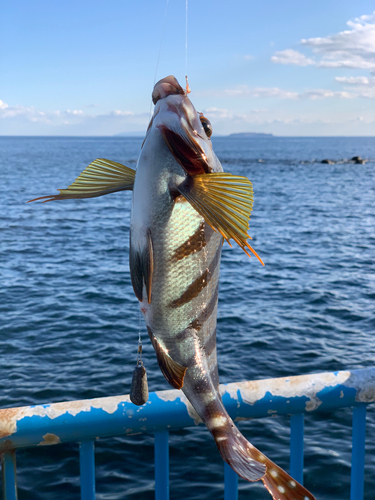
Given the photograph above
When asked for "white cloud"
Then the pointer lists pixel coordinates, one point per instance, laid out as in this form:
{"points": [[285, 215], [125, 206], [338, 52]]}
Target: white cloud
{"points": [[353, 48], [31, 121], [272, 92], [117, 112], [248, 57], [323, 94], [55, 117], [244, 91], [266, 92], [215, 114], [360, 85], [291, 56], [353, 80], [28, 113], [225, 120], [74, 112]]}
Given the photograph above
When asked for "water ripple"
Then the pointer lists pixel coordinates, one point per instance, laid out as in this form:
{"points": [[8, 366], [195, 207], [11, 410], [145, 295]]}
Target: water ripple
{"points": [[69, 318]]}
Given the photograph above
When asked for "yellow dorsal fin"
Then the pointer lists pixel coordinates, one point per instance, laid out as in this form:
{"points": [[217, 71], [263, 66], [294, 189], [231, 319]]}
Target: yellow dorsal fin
{"points": [[99, 178], [225, 201]]}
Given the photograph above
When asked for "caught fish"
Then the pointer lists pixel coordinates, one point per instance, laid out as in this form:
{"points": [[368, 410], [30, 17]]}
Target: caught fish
{"points": [[184, 207]]}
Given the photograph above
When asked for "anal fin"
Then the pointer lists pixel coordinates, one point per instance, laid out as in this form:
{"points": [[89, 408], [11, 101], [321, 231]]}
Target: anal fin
{"points": [[172, 371]]}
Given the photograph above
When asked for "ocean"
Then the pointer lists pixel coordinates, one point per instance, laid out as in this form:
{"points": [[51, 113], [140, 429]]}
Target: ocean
{"points": [[70, 321]]}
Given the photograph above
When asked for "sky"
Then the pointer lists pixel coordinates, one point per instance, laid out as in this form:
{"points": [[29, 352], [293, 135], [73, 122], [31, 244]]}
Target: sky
{"points": [[291, 68]]}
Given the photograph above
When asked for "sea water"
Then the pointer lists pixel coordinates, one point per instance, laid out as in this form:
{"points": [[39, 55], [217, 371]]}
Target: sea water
{"points": [[69, 320]]}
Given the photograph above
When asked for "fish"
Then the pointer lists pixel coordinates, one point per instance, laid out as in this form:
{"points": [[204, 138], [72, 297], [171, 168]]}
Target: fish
{"points": [[184, 207]]}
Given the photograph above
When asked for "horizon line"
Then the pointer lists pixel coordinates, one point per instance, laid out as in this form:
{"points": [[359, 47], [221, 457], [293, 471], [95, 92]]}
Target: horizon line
{"points": [[256, 136]]}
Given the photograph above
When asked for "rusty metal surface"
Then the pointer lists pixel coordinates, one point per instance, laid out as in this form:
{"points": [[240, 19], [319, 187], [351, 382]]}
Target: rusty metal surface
{"points": [[55, 423]]}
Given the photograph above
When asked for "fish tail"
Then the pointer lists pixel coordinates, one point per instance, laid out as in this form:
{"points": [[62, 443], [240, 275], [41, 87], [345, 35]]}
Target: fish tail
{"points": [[281, 485], [251, 464], [241, 455]]}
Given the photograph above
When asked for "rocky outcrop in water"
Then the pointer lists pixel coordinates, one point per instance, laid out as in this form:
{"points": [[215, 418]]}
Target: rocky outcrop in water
{"points": [[355, 159], [358, 159]]}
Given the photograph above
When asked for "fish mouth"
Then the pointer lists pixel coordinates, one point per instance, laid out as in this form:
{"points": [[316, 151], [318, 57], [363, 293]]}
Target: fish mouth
{"points": [[186, 150], [181, 132], [180, 126], [165, 87]]}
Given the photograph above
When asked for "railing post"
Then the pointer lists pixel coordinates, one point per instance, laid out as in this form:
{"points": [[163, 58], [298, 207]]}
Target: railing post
{"points": [[8, 462], [296, 446], [87, 469], [161, 465], [230, 483], [358, 452]]}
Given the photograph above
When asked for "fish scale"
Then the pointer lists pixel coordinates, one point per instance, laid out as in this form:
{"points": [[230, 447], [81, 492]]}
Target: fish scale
{"points": [[169, 319]]}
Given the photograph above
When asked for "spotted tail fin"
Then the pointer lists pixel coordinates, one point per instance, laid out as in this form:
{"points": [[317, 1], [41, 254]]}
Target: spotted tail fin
{"points": [[251, 464], [237, 452], [281, 485]]}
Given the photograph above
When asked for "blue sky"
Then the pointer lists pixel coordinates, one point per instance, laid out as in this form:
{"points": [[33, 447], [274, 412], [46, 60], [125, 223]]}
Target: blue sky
{"points": [[87, 67]]}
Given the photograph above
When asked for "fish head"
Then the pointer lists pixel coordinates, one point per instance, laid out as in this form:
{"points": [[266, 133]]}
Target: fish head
{"points": [[186, 132]]}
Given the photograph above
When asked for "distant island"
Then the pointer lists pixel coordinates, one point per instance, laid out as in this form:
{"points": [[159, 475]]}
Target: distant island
{"points": [[251, 134]]}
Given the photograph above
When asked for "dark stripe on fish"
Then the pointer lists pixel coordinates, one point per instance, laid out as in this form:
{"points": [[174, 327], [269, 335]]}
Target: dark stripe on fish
{"points": [[192, 291], [210, 343], [214, 410], [208, 348], [198, 323], [214, 372], [199, 284], [192, 245], [202, 386], [192, 361], [206, 312]]}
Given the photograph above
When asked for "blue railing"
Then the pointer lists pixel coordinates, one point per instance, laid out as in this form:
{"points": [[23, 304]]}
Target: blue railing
{"points": [[84, 421]]}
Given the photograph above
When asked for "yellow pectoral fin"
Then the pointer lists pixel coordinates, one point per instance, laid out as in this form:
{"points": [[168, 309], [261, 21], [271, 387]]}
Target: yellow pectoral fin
{"points": [[225, 201], [99, 178]]}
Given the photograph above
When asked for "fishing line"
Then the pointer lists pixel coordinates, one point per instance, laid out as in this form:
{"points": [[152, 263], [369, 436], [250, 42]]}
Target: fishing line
{"points": [[160, 46], [161, 41], [139, 352], [139, 388], [186, 48], [186, 39]]}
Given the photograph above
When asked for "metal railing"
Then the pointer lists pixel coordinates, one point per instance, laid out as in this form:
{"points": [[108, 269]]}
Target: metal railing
{"points": [[84, 421]]}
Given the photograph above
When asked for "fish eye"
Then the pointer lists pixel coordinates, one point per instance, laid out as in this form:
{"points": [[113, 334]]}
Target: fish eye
{"points": [[206, 124]]}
